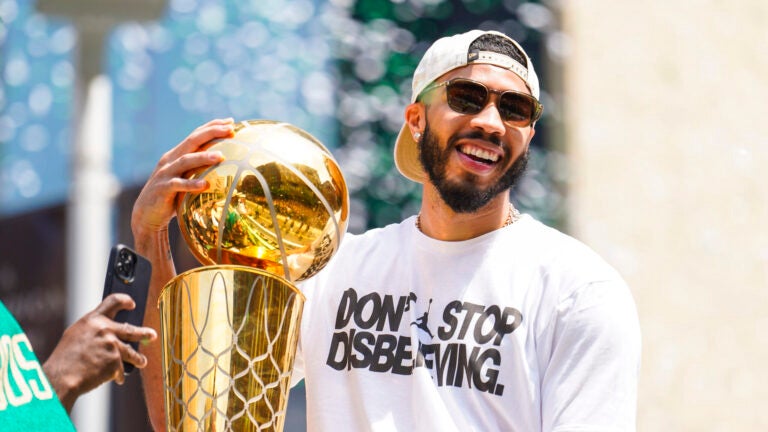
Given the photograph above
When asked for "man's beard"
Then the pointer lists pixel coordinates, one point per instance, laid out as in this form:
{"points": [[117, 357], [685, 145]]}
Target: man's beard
{"points": [[462, 195]]}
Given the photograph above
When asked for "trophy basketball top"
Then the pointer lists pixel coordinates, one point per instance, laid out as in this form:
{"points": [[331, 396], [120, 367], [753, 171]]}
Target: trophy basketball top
{"points": [[277, 202]]}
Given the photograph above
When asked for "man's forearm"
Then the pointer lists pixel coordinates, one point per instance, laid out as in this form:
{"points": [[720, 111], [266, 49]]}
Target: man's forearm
{"points": [[155, 247]]}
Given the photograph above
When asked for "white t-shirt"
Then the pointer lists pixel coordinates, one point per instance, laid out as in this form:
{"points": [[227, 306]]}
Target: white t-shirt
{"points": [[522, 329]]}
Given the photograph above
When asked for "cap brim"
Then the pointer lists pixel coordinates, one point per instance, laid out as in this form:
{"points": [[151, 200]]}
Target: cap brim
{"points": [[407, 156]]}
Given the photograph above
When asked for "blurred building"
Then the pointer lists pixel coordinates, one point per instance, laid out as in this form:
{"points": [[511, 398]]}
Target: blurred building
{"points": [[667, 153], [650, 151]]}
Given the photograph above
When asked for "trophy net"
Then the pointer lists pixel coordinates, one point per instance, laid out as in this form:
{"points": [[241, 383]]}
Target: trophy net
{"points": [[229, 337]]}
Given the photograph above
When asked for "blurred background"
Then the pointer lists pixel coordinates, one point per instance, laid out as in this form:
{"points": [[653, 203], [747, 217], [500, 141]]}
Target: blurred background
{"points": [[651, 150]]}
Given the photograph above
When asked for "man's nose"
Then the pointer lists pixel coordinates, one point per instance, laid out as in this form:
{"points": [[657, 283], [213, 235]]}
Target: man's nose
{"points": [[489, 120]]}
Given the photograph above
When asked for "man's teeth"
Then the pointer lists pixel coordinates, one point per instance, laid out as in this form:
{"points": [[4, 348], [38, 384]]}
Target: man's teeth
{"points": [[480, 153]]}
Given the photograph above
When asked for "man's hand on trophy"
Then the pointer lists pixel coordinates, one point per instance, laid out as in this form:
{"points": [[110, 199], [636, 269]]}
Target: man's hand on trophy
{"points": [[155, 206], [92, 350], [152, 211]]}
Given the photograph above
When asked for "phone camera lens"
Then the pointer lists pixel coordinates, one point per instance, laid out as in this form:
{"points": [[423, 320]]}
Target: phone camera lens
{"points": [[124, 267]]}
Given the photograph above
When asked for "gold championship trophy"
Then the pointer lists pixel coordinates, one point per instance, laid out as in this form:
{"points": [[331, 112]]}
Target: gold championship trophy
{"points": [[274, 214]]}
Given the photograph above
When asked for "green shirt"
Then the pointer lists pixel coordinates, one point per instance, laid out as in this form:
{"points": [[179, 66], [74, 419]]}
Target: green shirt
{"points": [[27, 400]]}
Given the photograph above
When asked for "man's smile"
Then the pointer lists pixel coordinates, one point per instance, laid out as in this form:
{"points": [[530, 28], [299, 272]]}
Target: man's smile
{"points": [[479, 154]]}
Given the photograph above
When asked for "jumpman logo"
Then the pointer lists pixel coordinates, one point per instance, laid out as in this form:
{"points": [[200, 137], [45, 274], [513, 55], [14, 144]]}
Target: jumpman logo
{"points": [[421, 322]]}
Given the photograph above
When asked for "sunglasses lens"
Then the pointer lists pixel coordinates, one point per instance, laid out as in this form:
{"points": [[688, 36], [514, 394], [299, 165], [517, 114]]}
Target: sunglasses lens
{"points": [[516, 108], [466, 97], [469, 97]]}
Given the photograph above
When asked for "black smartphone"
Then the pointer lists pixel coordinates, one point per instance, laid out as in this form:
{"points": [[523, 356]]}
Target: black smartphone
{"points": [[129, 273]]}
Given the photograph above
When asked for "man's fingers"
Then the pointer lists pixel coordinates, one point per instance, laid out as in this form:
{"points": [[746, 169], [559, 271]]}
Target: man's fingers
{"points": [[220, 128], [114, 303], [119, 376], [175, 169], [131, 333], [168, 180], [218, 121], [130, 355]]}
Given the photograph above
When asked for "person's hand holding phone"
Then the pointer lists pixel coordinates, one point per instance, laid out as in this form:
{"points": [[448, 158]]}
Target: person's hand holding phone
{"points": [[128, 273], [92, 351]]}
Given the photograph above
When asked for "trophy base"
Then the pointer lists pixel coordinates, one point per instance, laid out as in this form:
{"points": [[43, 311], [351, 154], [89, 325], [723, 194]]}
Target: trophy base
{"points": [[229, 336]]}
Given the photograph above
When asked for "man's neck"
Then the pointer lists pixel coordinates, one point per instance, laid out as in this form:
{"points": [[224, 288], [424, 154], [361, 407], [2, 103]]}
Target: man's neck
{"points": [[440, 222]]}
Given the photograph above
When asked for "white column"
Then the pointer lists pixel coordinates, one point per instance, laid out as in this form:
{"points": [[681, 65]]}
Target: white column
{"points": [[89, 222]]}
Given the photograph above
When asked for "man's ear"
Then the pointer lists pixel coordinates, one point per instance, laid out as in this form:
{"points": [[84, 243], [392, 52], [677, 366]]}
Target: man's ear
{"points": [[415, 117]]}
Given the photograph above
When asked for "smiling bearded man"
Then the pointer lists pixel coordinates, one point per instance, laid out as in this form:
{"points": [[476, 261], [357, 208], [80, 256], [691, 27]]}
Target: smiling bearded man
{"points": [[468, 316]]}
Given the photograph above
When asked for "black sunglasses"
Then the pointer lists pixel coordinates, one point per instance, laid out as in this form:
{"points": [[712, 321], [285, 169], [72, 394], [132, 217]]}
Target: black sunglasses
{"points": [[470, 97]]}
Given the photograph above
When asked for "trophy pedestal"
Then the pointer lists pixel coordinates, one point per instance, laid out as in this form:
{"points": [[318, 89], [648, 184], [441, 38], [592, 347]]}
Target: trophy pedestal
{"points": [[229, 337]]}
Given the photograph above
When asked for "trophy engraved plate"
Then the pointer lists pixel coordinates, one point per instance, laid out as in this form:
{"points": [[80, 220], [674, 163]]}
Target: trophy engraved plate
{"points": [[275, 212]]}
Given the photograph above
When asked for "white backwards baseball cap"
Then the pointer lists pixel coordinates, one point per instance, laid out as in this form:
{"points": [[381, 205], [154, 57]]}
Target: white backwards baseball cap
{"points": [[445, 55]]}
